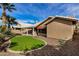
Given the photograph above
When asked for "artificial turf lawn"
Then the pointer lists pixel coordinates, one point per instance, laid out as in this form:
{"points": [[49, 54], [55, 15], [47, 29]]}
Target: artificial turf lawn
{"points": [[21, 43]]}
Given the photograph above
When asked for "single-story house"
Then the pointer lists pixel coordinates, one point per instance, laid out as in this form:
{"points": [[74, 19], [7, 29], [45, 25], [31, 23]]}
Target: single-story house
{"points": [[27, 29], [57, 27]]}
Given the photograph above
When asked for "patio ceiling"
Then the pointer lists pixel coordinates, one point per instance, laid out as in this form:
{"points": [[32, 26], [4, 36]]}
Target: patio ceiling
{"points": [[41, 27]]}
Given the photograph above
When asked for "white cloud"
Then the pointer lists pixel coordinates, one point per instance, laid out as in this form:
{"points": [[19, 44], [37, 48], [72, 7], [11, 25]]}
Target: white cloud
{"points": [[25, 21], [20, 20], [73, 10]]}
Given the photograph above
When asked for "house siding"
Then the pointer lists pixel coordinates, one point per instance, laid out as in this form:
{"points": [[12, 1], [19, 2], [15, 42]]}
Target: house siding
{"points": [[60, 29]]}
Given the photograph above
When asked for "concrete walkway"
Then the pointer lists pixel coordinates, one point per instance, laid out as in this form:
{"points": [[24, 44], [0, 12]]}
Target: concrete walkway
{"points": [[9, 54], [52, 42]]}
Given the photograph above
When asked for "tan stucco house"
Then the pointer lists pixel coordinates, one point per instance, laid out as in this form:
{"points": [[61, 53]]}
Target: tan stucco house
{"points": [[58, 27]]}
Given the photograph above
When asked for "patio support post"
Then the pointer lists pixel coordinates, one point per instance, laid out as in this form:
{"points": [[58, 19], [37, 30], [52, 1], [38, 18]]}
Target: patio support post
{"points": [[38, 31], [27, 32], [33, 31]]}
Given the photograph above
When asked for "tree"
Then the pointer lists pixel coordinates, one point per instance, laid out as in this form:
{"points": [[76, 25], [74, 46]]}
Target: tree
{"points": [[6, 6], [11, 21]]}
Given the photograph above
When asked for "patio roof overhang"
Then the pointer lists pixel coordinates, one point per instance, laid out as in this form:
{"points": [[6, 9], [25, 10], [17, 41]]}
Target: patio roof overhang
{"points": [[41, 27]]}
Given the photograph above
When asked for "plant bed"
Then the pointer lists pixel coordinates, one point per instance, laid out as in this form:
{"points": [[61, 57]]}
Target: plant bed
{"points": [[25, 43]]}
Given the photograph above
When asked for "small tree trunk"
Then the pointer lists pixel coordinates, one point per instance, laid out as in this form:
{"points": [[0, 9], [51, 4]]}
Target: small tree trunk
{"points": [[4, 19]]}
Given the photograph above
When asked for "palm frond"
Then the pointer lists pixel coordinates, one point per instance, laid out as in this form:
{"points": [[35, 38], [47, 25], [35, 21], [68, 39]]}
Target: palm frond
{"points": [[11, 7]]}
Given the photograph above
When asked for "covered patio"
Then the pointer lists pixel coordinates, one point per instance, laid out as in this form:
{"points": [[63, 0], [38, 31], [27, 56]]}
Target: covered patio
{"points": [[42, 31], [25, 29]]}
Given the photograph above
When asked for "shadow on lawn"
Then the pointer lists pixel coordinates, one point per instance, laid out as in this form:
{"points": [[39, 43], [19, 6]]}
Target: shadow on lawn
{"points": [[70, 48], [13, 44]]}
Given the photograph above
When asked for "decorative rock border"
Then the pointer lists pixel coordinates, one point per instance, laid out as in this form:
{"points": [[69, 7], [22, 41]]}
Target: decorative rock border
{"points": [[12, 51]]}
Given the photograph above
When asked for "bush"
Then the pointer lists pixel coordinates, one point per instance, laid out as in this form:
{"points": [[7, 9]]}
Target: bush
{"points": [[26, 49], [2, 36], [3, 28], [9, 34], [37, 46]]}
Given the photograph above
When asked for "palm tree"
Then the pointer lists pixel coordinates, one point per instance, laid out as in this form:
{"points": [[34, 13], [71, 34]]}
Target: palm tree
{"points": [[11, 21], [6, 6]]}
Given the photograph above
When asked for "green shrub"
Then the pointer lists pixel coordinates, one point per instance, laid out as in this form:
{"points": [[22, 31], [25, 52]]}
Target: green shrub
{"points": [[3, 28], [26, 49], [2, 36], [37, 46], [9, 34]]}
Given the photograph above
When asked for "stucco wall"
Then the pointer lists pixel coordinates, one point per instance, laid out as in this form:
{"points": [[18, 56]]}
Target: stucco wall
{"points": [[60, 29]]}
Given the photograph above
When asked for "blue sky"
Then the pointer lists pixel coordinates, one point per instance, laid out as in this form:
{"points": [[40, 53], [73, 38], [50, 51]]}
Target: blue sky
{"points": [[37, 12]]}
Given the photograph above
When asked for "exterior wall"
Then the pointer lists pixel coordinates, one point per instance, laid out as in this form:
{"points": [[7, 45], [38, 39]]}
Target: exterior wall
{"points": [[60, 29]]}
